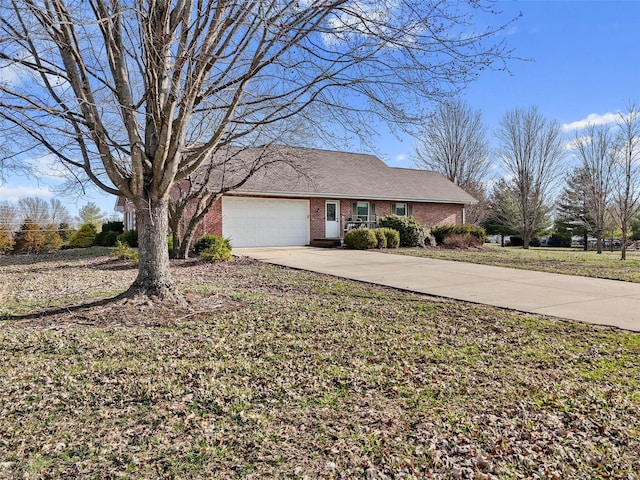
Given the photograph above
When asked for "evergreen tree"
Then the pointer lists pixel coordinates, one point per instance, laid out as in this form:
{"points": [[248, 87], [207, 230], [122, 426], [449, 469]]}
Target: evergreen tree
{"points": [[6, 239], [29, 239], [573, 207]]}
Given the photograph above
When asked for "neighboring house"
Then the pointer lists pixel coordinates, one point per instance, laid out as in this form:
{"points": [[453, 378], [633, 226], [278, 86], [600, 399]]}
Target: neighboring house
{"points": [[320, 194]]}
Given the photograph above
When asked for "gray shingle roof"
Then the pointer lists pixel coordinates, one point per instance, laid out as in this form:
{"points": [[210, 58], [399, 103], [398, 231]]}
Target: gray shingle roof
{"points": [[323, 173]]}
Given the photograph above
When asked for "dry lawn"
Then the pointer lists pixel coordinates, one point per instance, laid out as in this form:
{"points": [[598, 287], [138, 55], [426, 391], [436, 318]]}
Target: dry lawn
{"points": [[277, 373], [554, 260]]}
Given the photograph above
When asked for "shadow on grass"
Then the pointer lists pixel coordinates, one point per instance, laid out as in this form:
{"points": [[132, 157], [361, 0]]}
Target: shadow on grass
{"points": [[43, 314], [60, 255]]}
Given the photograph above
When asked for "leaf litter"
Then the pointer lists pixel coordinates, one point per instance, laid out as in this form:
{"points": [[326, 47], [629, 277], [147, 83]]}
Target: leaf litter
{"points": [[277, 373]]}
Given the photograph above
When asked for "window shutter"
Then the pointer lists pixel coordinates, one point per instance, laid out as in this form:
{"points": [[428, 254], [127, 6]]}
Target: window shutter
{"points": [[372, 216], [393, 209], [409, 210], [354, 210]]}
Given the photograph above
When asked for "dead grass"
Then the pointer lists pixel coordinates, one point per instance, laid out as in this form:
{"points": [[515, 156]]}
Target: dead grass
{"points": [[277, 373], [554, 260]]}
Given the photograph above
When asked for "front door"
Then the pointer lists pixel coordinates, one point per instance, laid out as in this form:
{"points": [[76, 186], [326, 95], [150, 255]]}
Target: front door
{"points": [[332, 219]]}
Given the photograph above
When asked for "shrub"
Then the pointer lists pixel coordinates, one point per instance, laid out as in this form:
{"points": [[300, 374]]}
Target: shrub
{"points": [[560, 240], [130, 237], [392, 237], [440, 233], [170, 245], [117, 227], [360, 239], [461, 241], [206, 241], [52, 239], [6, 240], [411, 231], [213, 248], [106, 238], [124, 252], [381, 238], [29, 239], [65, 231], [84, 237]]}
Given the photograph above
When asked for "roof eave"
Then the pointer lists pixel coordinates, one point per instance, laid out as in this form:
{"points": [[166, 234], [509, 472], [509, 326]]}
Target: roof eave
{"points": [[350, 196]]}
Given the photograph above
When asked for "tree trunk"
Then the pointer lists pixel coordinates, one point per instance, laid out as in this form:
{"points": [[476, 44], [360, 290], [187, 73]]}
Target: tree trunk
{"points": [[585, 238], [599, 241], [185, 246], [526, 238], [154, 276], [623, 246]]}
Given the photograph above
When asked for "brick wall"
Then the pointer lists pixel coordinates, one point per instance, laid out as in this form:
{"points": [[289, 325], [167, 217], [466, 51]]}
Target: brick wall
{"points": [[317, 214], [433, 214], [429, 214], [212, 223]]}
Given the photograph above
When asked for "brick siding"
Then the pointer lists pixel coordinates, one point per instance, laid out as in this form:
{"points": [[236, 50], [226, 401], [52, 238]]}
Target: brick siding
{"points": [[428, 214]]}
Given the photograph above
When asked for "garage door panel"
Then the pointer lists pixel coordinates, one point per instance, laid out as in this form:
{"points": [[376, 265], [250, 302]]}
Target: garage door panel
{"points": [[253, 222]]}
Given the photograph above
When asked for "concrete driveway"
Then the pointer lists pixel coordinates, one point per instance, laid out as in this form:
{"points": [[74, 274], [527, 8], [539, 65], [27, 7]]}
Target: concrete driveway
{"points": [[603, 302]]}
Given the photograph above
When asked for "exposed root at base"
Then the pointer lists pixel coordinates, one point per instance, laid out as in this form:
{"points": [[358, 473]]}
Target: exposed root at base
{"points": [[152, 295]]}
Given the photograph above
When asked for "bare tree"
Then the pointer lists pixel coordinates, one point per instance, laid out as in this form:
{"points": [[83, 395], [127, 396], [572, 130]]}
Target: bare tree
{"points": [[138, 95], [36, 209], [454, 143], [504, 215], [58, 213], [594, 147], [9, 215], [531, 149], [626, 191]]}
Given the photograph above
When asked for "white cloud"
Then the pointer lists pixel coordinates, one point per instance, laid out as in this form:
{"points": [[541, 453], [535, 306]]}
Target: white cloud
{"points": [[362, 18], [592, 118], [48, 166], [400, 158], [9, 75], [14, 193]]}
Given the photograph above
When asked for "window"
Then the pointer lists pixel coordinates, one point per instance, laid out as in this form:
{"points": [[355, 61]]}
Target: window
{"points": [[400, 209], [362, 211]]}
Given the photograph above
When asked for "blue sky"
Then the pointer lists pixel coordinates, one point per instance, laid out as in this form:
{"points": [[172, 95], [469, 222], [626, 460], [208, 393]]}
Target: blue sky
{"points": [[583, 63]]}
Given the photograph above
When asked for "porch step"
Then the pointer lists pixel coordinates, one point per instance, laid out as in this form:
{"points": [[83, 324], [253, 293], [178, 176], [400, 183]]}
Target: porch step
{"points": [[325, 242]]}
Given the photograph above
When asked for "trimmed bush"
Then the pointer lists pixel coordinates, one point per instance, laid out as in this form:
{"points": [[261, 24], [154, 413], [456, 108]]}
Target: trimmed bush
{"points": [[117, 227], [124, 252], [52, 239], [461, 241], [440, 233], [360, 239], [411, 231], [206, 241], [84, 237], [130, 237], [380, 238], [106, 238], [213, 248], [6, 240], [392, 237]]}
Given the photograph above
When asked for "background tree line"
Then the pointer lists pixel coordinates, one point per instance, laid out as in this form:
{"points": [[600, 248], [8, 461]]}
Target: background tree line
{"points": [[599, 166], [35, 225]]}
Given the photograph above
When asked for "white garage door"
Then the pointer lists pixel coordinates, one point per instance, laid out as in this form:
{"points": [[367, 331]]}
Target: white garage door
{"points": [[265, 222]]}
